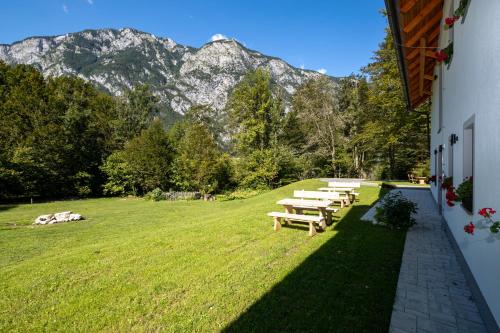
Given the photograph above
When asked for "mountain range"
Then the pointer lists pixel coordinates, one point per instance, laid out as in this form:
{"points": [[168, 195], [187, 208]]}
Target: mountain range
{"points": [[181, 76]]}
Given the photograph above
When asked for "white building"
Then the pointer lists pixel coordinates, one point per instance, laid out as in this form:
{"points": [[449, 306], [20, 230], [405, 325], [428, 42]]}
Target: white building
{"points": [[465, 104]]}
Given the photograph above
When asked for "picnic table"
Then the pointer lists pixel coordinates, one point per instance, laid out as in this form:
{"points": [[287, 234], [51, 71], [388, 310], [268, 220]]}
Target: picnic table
{"points": [[301, 204], [347, 191]]}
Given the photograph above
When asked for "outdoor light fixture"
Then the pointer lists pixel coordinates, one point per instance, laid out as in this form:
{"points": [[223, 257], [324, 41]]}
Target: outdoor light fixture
{"points": [[440, 148], [435, 151], [453, 139]]}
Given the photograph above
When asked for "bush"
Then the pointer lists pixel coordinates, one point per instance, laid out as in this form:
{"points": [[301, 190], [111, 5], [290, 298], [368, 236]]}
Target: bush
{"points": [[267, 168], [464, 193], [239, 194], [396, 211], [155, 195]]}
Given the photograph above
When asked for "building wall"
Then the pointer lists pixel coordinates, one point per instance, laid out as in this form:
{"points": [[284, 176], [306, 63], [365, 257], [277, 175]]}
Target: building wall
{"points": [[471, 90]]}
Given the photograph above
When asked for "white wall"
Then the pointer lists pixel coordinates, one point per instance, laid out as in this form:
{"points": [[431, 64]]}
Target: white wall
{"points": [[472, 89]]}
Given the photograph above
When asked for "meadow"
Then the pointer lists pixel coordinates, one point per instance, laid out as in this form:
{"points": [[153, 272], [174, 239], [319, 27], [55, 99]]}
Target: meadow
{"points": [[186, 266]]}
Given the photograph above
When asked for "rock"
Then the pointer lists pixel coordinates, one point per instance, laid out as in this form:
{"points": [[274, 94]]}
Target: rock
{"points": [[44, 219], [62, 216], [75, 217], [58, 218]]}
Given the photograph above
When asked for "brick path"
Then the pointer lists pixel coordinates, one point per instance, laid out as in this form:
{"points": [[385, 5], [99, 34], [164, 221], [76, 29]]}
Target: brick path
{"points": [[432, 293]]}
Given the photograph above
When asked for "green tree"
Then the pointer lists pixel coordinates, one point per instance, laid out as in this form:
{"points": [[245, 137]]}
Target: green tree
{"points": [[149, 158], [320, 118], [389, 132], [135, 112], [268, 168], [254, 114], [120, 178], [200, 164]]}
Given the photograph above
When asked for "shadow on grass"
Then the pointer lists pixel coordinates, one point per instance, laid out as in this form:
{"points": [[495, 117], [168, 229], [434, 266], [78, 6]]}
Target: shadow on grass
{"points": [[6, 207], [347, 285]]}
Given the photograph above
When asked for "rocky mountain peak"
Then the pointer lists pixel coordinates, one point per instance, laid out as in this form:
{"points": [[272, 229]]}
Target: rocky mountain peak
{"points": [[115, 60]]}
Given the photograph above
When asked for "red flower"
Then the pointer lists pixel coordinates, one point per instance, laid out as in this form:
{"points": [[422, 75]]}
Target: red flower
{"points": [[451, 195], [469, 228], [450, 203], [441, 56], [487, 212], [449, 21]]}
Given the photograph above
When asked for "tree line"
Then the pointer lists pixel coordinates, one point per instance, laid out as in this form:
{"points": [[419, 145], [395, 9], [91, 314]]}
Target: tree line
{"points": [[61, 137]]}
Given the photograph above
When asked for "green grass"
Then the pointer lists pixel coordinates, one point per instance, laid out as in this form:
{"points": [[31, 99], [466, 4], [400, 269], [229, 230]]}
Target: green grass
{"points": [[192, 266]]}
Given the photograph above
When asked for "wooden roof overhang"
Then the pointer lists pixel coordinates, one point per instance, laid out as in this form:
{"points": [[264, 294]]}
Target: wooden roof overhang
{"points": [[415, 25]]}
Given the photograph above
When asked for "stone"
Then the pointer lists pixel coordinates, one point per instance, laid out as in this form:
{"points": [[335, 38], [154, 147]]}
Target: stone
{"points": [[75, 217], [62, 216], [58, 218], [44, 219]]}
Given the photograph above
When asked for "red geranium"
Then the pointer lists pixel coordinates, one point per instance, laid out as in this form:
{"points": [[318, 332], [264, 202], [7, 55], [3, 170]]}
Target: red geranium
{"points": [[449, 21], [451, 196], [441, 56], [469, 228], [487, 212]]}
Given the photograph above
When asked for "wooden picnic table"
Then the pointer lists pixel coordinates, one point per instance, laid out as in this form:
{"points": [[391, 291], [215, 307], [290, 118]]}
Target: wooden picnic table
{"points": [[299, 204], [344, 190]]}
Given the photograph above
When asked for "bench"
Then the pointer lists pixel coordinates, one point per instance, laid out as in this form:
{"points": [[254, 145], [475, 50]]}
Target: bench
{"points": [[344, 184], [355, 195], [332, 196], [310, 219], [329, 211]]}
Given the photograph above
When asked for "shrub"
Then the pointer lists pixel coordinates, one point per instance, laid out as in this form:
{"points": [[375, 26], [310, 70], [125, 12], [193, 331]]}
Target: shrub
{"points": [[464, 193], [268, 168], [447, 183], [396, 211], [239, 194], [155, 195], [83, 183]]}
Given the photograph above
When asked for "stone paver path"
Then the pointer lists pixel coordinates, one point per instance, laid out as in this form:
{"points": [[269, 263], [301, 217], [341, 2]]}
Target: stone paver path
{"points": [[432, 293]]}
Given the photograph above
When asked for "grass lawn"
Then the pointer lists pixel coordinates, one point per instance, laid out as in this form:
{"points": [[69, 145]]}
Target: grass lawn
{"points": [[193, 266]]}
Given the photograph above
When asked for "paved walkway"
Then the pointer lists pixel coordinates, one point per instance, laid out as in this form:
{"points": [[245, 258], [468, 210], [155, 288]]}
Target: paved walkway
{"points": [[432, 293]]}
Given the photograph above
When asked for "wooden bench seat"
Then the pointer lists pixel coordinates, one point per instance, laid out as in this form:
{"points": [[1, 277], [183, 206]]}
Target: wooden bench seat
{"points": [[329, 212], [354, 195], [311, 219]]}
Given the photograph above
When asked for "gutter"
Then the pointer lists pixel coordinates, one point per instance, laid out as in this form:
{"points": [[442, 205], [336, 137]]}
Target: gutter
{"points": [[393, 18]]}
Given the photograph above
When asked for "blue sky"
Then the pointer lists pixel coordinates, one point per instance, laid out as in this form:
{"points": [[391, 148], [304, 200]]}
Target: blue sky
{"points": [[336, 35]]}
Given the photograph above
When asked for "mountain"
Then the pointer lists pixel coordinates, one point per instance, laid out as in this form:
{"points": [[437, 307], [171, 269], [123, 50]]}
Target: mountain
{"points": [[115, 60]]}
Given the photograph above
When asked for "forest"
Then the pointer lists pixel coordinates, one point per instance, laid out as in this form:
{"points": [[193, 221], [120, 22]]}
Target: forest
{"points": [[61, 137]]}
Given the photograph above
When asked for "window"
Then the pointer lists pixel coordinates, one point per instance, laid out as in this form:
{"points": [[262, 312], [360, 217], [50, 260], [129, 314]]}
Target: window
{"points": [[440, 106], [453, 140], [468, 169], [468, 166], [436, 164]]}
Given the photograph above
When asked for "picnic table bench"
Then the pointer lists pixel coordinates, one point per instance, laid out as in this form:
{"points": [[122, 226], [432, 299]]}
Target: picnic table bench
{"points": [[348, 191], [300, 205], [310, 219]]}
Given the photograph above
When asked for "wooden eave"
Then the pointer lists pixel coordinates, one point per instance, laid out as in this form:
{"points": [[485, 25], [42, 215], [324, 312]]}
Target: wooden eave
{"points": [[415, 25]]}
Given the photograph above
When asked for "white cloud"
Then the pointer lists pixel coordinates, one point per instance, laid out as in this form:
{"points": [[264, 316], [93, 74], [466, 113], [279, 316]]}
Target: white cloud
{"points": [[91, 2], [65, 8], [322, 71], [217, 37], [302, 66]]}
